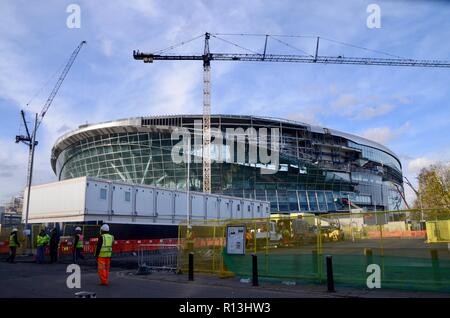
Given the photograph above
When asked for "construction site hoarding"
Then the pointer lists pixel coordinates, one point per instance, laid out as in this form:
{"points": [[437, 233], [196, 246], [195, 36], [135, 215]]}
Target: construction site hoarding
{"points": [[90, 199], [293, 248]]}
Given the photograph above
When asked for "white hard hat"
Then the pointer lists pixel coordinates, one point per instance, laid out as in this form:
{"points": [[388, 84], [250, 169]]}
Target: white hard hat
{"points": [[14, 229], [105, 228], [78, 228]]}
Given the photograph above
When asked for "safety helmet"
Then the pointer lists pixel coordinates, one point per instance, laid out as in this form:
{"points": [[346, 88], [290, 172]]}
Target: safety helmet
{"points": [[105, 228], [78, 228], [14, 230]]}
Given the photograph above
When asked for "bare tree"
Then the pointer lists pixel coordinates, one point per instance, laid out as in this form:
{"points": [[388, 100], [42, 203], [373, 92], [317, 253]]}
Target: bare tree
{"points": [[434, 189]]}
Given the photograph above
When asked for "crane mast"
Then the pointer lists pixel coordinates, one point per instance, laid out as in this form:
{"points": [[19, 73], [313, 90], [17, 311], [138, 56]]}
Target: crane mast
{"points": [[207, 57], [206, 118]]}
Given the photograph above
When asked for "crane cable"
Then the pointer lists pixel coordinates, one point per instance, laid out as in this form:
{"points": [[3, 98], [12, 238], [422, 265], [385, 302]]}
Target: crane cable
{"points": [[52, 76], [363, 48], [177, 45], [234, 44], [311, 37], [291, 46], [262, 35], [273, 36], [39, 92]]}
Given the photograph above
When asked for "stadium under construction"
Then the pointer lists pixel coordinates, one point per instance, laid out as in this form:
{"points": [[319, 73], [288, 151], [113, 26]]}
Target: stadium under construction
{"points": [[319, 169], [311, 169]]}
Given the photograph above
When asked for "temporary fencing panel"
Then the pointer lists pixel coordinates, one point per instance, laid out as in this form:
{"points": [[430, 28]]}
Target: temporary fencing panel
{"points": [[438, 231], [206, 241], [158, 257], [293, 247]]}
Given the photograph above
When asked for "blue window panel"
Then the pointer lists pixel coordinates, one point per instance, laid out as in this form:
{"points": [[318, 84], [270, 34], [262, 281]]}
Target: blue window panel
{"points": [[321, 199], [293, 204], [312, 201], [303, 201], [330, 201]]}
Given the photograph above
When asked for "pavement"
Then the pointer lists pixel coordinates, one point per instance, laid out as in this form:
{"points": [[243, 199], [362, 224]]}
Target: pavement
{"points": [[25, 279]]}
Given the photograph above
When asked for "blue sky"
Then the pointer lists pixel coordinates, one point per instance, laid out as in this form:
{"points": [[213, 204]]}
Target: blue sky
{"points": [[407, 109]]}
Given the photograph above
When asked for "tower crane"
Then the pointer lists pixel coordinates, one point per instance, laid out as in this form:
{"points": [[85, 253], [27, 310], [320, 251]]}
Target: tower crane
{"points": [[207, 57], [30, 139]]}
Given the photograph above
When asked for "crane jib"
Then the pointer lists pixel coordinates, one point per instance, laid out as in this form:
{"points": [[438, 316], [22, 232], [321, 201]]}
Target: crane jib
{"points": [[149, 58]]}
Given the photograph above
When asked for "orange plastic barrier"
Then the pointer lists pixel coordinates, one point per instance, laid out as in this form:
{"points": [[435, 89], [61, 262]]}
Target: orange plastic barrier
{"points": [[4, 247], [119, 246], [397, 234]]}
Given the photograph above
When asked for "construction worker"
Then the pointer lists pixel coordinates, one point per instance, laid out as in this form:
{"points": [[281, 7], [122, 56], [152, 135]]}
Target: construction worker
{"points": [[42, 241], [13, 244], [103, 253], [78, 245], [54, 242], [248, 237], [190, 238], [286, 235]]}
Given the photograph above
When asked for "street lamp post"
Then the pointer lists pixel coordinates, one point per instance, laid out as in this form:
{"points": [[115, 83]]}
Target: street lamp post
{"points": [[188, 205], [419, 196], [351, 217]]}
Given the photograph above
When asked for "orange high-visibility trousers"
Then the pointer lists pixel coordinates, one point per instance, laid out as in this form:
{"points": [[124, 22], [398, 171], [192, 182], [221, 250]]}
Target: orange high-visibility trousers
{"points": [[104, 264]]}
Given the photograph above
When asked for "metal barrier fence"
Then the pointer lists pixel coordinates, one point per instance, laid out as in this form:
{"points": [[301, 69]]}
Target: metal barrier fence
{"points": [[160, 257], [438, 231], [206, 241], [120, 247], [411, 253]]}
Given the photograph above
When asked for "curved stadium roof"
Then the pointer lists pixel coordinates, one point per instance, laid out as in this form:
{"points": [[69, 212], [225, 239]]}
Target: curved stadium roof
{"points": [[135, 125]]}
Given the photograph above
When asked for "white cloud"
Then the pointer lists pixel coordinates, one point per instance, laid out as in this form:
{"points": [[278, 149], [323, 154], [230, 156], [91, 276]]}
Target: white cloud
{"points": [[360, 108], [415, 165], [379, 134], [13, 160], [107, 47], [308, 115], [175, 87], [373, 111], [145, 7], [384, 135], [403, 100], [346, 101]]}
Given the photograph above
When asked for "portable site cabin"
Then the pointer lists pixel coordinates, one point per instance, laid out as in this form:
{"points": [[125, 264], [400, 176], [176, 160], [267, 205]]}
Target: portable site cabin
{"points": [[91, 200]]}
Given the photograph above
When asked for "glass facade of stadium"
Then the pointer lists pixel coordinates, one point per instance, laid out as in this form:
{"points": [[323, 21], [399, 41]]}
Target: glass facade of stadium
{"points": [[320, 169]]}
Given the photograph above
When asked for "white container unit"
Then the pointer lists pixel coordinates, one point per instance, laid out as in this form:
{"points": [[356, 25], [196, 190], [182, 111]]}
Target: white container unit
{"points": [[144, 202], [91, 199]]}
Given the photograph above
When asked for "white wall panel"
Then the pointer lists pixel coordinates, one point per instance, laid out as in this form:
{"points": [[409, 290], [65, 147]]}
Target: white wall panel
{"points": [[97, 197], [144, 201], [120, 205], [90, 199]]}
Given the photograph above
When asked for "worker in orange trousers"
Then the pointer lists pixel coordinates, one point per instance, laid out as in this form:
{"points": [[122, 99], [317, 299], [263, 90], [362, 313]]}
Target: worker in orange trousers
{"points": [[103, 253]]}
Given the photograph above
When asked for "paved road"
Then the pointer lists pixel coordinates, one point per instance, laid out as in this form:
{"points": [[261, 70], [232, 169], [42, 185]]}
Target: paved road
{"points": [[49, 280]]}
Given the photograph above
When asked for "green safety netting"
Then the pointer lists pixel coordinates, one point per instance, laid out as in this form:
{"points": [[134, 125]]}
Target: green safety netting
{"points": [[407, 273]]}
